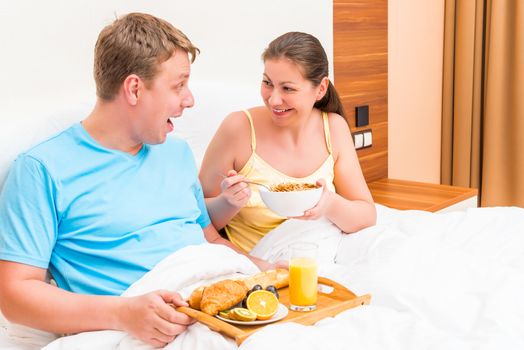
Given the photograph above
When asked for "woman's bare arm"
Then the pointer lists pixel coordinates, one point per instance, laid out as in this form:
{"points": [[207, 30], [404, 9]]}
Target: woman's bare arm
{"points": [[224, 191], [351, 207]]}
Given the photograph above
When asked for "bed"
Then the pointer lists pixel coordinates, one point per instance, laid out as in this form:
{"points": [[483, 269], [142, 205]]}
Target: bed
{"points": [[438, 281]]}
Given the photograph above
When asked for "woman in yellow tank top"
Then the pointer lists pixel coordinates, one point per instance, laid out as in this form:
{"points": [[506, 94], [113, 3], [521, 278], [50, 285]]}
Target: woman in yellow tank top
{"points": [[300, 135]]}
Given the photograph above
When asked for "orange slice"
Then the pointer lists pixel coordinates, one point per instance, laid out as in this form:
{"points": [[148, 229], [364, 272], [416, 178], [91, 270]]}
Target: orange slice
{"points": [[263, 303]]}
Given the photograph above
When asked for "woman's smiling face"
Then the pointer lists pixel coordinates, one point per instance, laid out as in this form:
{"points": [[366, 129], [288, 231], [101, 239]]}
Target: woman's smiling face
{"points": [[286, 92]]}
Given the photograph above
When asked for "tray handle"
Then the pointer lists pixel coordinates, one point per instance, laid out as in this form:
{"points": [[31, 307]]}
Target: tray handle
{"points": [[339, 291], [212, 322]]}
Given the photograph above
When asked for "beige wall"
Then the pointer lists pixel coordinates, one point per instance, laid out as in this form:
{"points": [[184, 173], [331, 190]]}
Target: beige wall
{"points": [[415, 42]]}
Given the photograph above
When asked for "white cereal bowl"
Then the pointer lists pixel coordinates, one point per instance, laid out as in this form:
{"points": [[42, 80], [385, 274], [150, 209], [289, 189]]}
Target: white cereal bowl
{"points": [[292, 203]]}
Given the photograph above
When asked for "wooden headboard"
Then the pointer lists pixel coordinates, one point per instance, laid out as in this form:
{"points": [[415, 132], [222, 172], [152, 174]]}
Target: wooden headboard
{"points": [[360, 35]]}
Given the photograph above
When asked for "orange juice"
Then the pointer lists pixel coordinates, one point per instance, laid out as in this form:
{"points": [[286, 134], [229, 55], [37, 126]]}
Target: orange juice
{"points": [[303, 281]]}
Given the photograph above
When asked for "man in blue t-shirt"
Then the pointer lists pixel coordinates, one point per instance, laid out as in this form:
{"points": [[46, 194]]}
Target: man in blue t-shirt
{"points": [[101, 203]]}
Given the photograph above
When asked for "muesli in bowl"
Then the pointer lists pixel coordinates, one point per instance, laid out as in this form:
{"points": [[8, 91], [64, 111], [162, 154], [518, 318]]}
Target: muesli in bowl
{"points": [[291, 199]]}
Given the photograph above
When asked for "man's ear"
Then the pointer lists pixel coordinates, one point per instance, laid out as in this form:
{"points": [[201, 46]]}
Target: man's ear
{"points": [[131, 87], [323, 87]]}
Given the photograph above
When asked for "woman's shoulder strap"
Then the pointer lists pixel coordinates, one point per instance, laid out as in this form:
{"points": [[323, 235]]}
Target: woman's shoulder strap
{"points": [[327, 134], [253, 137]]}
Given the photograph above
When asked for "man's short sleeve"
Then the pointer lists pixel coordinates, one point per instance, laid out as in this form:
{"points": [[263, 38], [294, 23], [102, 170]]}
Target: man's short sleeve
{"points": [[203, 220], [28, 216]]}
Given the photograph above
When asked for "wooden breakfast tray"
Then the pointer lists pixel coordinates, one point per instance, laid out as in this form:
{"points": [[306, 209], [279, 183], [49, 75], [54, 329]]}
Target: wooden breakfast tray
{"points": [[328, 304]]}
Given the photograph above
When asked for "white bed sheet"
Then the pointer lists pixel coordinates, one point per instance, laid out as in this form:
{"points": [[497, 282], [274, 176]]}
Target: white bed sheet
{"points": [[438, 281]]}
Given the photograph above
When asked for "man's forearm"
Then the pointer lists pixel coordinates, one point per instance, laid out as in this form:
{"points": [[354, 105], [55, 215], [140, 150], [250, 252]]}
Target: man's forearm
{"points": [[39, 305], [26, 299]]}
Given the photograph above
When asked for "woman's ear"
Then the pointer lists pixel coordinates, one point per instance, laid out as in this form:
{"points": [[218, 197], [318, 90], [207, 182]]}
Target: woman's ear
{"points": [[131, 88], [323, 87]]}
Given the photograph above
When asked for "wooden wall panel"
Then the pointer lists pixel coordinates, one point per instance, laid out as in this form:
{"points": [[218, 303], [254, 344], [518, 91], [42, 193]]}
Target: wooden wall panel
{"points": [[360, 36]]}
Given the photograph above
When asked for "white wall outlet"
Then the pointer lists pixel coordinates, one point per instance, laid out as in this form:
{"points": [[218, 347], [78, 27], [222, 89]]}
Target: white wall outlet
{"points": [[368, 139], [359, 140]]}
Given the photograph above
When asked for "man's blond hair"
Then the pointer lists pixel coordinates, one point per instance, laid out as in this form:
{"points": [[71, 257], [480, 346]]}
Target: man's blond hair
{"points": [[137, 44]]}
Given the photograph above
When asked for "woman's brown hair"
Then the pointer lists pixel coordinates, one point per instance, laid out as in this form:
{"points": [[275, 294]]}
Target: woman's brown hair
{"points": [[307, 52], [135, 44]]}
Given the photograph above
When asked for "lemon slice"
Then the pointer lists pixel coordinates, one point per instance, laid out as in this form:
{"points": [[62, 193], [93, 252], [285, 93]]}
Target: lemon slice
{"points": [[263, 303], [241, 314], [224, 314]]}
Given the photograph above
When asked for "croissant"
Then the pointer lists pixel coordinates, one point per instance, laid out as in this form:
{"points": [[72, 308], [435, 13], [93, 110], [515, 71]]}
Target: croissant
{"points": [[222, 296]]}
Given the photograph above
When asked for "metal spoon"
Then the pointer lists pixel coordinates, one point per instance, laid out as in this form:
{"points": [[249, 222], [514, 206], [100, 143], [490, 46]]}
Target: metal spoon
{"points": [[259, 184], [252, 182]]}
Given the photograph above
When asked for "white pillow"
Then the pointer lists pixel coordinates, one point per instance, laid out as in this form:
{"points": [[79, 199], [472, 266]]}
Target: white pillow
{"points": [[213, 101], [19, 133]]}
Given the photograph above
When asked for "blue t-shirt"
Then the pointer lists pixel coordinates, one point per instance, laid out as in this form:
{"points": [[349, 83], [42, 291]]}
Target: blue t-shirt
{"points": [[98, 218]]}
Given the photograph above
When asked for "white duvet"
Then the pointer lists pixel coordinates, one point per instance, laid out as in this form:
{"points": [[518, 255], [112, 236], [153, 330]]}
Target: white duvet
{"points": [[438, 281]]}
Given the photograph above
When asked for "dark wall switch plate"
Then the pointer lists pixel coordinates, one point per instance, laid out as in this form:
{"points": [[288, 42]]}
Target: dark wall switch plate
{"points": [[362, 115]]}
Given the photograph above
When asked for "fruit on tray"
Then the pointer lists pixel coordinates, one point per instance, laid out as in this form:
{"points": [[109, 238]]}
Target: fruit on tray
{"points": [[263, 303], [242, 314]]}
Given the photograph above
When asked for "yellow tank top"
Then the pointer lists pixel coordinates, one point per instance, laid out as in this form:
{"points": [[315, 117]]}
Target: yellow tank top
{"points": [[255, 220]]}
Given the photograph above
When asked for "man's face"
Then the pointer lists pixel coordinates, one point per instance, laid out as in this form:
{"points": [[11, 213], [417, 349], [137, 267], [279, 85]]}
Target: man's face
{"points": [[165, 99]]}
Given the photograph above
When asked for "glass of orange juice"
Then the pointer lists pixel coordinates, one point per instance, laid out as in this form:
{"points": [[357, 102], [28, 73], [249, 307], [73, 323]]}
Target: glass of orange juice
{"points": [[303, 276]]}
